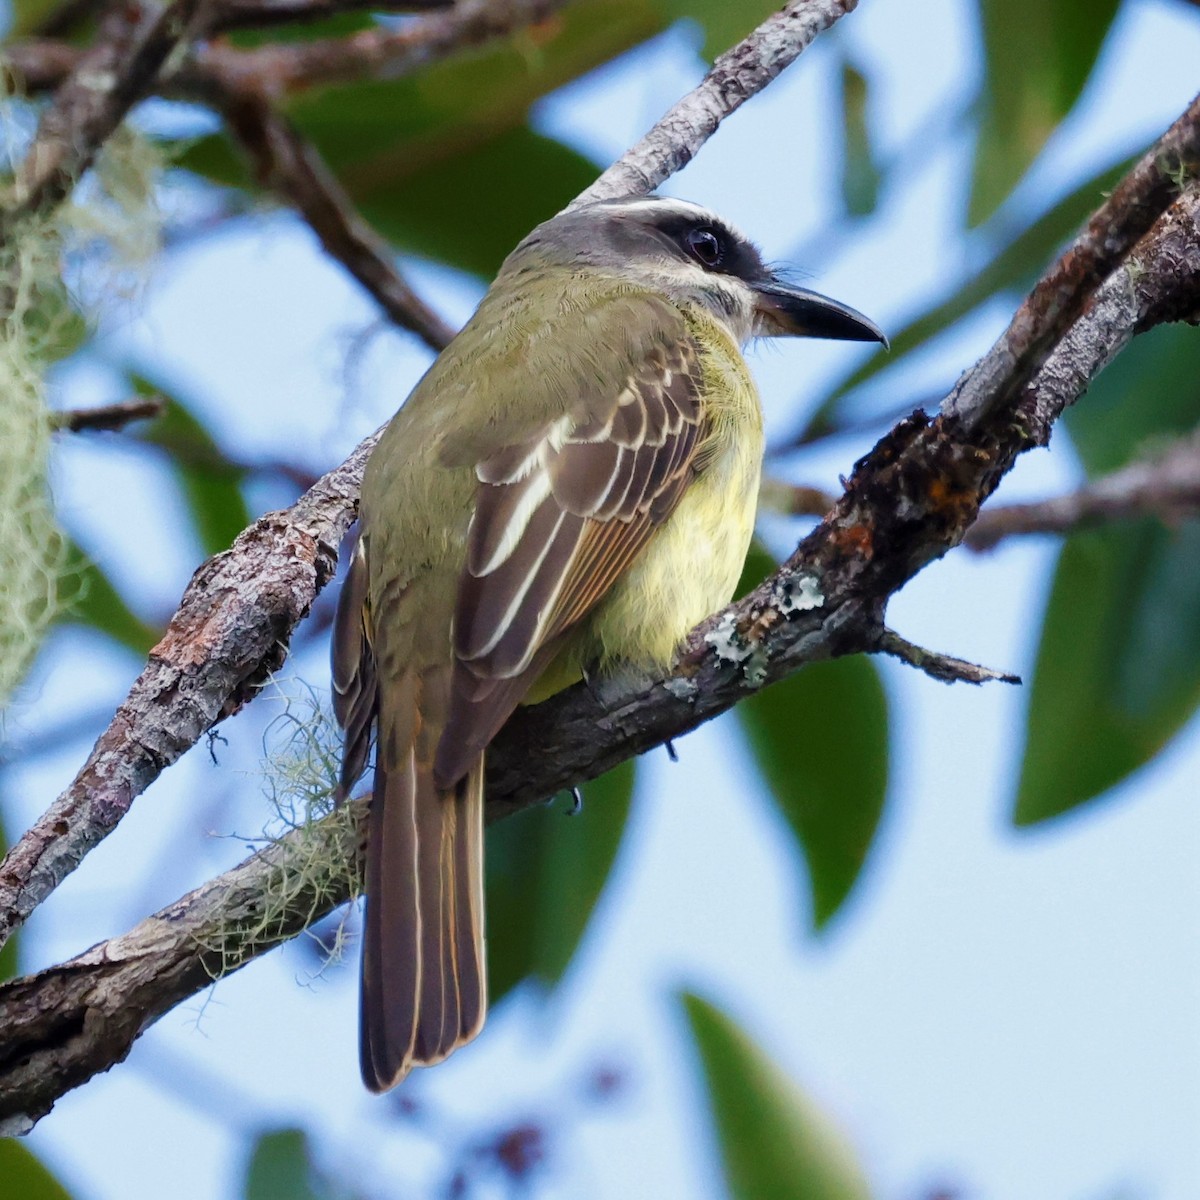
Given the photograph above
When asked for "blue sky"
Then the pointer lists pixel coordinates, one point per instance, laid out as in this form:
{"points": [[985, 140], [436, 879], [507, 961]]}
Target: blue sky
{"points": [[1016, 1013]]}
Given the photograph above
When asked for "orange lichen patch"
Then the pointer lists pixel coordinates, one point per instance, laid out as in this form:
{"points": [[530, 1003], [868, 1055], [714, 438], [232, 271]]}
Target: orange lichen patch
{"points": [[854, 541], [762, 623], [955, 505]]}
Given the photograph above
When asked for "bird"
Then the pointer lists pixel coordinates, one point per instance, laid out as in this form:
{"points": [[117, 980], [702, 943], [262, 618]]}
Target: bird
{"points": [[571, 487]]}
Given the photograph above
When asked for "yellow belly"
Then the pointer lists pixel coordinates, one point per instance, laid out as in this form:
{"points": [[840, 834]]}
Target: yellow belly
{"points": [[691, 566]]}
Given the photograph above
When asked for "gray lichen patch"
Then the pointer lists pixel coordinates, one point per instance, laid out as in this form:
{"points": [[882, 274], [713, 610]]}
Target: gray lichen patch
{"points": [[797, 593]]}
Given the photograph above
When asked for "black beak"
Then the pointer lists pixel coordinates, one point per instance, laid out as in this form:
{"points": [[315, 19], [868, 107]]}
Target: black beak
{"points": [[785, 311]]}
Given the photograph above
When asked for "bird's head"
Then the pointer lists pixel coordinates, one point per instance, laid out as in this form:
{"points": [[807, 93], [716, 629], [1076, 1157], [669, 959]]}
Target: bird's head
{"points": [[690, 255]]}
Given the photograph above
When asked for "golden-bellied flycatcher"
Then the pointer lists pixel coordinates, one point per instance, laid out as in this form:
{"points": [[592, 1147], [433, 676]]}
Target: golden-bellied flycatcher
{"points": [[571, 485]]}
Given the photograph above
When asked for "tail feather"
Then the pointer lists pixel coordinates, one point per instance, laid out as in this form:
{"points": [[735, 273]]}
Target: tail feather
{"points": [[423, 973]]}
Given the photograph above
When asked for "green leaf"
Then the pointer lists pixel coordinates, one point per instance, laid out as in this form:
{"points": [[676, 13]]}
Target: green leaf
{"points": [[1020, 260], [820, 738], [415, 153], [860, 174], [339, 25], [209, 482], [724, 24], [1118, 667], [1038, 57], [87, 596], [26, 15], [1150, 392], [436, 213], [22, 1176], [775, 1143], [546, 870], [758, 565], [281, 1168]]}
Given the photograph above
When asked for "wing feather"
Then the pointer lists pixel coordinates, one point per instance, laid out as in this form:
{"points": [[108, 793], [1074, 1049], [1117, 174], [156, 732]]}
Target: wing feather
{"points": [[557, 520]]}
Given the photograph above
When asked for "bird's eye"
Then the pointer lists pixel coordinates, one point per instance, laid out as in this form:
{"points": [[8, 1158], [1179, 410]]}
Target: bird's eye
{"points": [[706, 247]]}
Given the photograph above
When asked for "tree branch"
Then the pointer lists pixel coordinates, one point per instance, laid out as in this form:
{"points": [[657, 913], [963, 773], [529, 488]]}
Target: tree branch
{"points": [[377, 53], [226, 15], [736, 76], [108, 416], [294, 168], [1060, 295], [65, 1024], [1166, 486], [230, 632]]}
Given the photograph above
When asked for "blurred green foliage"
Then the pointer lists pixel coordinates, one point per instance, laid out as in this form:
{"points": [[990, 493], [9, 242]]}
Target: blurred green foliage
{"points": [[23, 1177], [546, 869], [775, 1142], [281, 1168]]}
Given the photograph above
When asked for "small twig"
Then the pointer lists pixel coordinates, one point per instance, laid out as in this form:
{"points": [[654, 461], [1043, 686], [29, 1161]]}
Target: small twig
{"points": [[943, 667], [736, 76], [1167, 486], [108, 416], [294, 168]]}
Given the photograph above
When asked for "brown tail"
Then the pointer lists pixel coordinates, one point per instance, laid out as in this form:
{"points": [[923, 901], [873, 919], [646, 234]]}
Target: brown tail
{"points": [[424, 988]]}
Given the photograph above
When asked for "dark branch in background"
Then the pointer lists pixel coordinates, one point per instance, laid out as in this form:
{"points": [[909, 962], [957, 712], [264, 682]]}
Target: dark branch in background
{"points": [[377, 53], [260, 14], [224, 15], [293, 168], [108, 416], [908, 501], [1166, 486], [109, 78], [380, 53]]}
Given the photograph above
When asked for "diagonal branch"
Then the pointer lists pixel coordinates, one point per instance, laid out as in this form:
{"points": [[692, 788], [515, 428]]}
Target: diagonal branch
{"points": [[1166, 486], [736, 76], [1060, 295], [294, 168]]}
